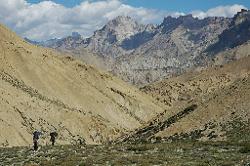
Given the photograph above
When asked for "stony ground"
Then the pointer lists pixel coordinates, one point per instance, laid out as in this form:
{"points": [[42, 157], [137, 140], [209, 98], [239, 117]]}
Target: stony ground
{"points": [[141, 154]]}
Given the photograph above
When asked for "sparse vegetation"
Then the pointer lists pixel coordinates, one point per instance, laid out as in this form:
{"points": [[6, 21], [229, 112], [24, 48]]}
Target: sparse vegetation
{"points": [[176, 153], [245, 148], [237, 130], [144, 134]]}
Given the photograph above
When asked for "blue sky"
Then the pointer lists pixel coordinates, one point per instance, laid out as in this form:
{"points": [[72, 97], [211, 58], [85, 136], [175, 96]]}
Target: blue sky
{"points": [[169, 5], [185, 5]]}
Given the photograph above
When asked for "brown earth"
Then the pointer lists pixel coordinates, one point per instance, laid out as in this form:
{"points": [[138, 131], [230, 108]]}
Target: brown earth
{"points": [[211, 104], [44, 90]]}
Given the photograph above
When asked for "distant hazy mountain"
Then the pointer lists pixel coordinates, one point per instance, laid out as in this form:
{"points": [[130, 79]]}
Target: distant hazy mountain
{"points": [[142, 54], [47, 43]]}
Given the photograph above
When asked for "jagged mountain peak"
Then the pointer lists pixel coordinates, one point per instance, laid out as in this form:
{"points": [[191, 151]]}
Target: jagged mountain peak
{"points": [[189, 21], [188, 17], [120, 28], [236, 34], [169, 23], [121, 20], [240, 17], [150, 27]]}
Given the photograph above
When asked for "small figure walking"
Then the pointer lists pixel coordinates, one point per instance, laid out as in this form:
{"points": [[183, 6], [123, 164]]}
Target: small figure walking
{"points": [[36, 136], [81, 141], [53, 136]]}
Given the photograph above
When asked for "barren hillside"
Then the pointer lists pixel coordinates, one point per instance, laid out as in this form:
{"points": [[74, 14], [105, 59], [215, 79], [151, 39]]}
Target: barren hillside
{"points": [[42, 90], [205, 105]]}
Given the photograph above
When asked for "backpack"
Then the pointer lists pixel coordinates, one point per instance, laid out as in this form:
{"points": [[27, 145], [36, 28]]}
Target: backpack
{"points": [[36, 135], [54, 134]]}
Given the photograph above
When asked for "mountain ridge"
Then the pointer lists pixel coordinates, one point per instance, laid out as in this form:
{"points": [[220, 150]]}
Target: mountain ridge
{"points": [[141, 54]]}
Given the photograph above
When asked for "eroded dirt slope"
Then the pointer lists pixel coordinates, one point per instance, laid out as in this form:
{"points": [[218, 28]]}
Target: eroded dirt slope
{"points": [[43, 90], [203, 105]]}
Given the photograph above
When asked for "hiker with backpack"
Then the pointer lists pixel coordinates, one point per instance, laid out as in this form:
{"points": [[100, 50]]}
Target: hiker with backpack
{"points": [[53, 136], [36, 136]]}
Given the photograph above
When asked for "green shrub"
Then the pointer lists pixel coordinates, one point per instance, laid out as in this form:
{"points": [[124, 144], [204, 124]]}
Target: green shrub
{"points": [[245, 149]]}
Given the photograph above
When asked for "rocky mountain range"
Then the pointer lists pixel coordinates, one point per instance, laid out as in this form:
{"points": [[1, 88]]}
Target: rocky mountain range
{"points": [[42, 89], [142, 54]]}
